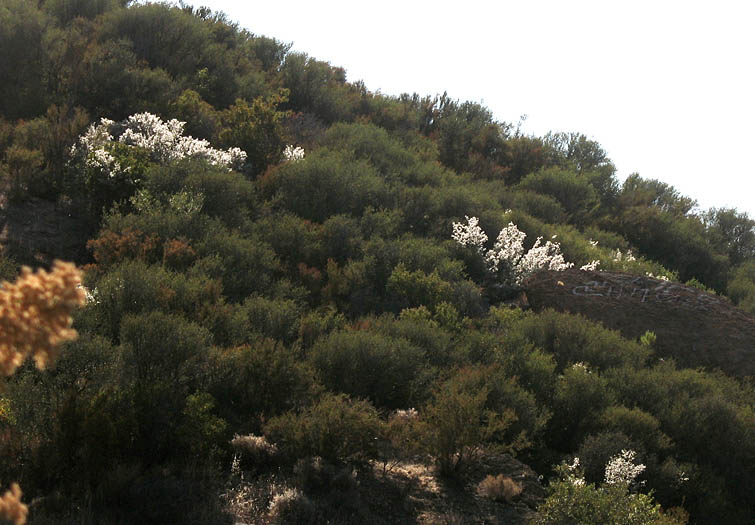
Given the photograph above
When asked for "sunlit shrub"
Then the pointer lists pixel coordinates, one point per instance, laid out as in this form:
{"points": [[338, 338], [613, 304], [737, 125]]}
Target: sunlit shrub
{"points": [[572, 500], [291, 506], [499, 488], [508, 262], [571, 338], [255, 449]]}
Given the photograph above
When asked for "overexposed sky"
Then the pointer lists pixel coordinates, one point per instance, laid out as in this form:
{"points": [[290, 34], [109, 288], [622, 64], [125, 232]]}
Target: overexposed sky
{"points": [[666, 87]]}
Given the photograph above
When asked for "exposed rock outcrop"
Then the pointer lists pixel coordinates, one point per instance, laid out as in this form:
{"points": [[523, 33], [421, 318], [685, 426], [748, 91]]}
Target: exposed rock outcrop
{"points": [[36, 232], [694, 327]]}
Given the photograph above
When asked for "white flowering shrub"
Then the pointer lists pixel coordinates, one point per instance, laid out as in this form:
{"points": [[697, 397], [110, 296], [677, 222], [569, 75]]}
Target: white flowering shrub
{"points": [[591, 266], [622, 469], [164, 141], [508, 260], [573, 500], [293, 153]]}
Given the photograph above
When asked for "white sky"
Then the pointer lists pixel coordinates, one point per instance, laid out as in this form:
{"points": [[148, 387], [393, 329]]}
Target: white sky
{"points": [[666, 87]]}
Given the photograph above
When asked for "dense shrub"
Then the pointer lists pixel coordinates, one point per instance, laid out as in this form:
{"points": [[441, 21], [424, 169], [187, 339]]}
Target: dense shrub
{"points": [[391, 372], [327, 183], [580, 397], [276, 319], [133, 287], [570, 339], [336, 428], [457, 422], [253, 382], [575, 194]]}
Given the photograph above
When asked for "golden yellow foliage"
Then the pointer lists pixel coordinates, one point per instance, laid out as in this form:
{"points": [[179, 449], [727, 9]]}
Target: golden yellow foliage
{"points": [[35, 315], [11, 507]]}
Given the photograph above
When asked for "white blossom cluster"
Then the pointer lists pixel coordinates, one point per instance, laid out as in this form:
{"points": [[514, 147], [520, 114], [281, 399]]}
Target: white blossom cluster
{"points": [[293, 153], [574, 473], [165, 142], [623, 257], [508, 256], [92, 148], [582, 367], [622, 469], [92, 296], [591, 266], [406, 415]]}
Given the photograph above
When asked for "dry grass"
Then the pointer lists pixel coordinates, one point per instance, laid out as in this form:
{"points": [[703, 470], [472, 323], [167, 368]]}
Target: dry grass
{"points": [[499, 488]]}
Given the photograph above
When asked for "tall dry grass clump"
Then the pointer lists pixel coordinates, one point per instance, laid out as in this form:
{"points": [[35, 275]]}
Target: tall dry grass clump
{"points": [[499, 488]]}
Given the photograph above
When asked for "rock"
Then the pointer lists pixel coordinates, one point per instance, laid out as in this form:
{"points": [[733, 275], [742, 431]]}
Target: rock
{"points": [[694, 327], [36, 232]]}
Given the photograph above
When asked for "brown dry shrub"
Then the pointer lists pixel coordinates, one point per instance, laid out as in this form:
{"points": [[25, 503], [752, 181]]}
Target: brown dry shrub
{"points": [[177, 253], [11, 507], [291, 506], [499, 488], [35, 315], [255, 448], [111, 247]]}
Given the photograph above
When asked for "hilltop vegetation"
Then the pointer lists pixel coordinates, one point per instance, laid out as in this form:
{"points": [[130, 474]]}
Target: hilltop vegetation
{"points": [[278, 309]]}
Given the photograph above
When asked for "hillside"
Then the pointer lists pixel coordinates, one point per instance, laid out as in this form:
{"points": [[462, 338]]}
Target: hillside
{"points": [[306, 301]]}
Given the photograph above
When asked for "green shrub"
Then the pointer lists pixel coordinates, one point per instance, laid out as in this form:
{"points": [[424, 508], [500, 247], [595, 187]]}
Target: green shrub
{"points": [[202, 433], [257, 381], [294, 240], [411, 289], [373, 144], [597, 449], [462, 417], [544, 207], [581, 395], [341, 238], [134, 287], [247, 265], [575, 194], [638, 425], [327, 183], [571, 502], [386, 370], [571, 338], [274, 318], [163, 347], [336, 428]]}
